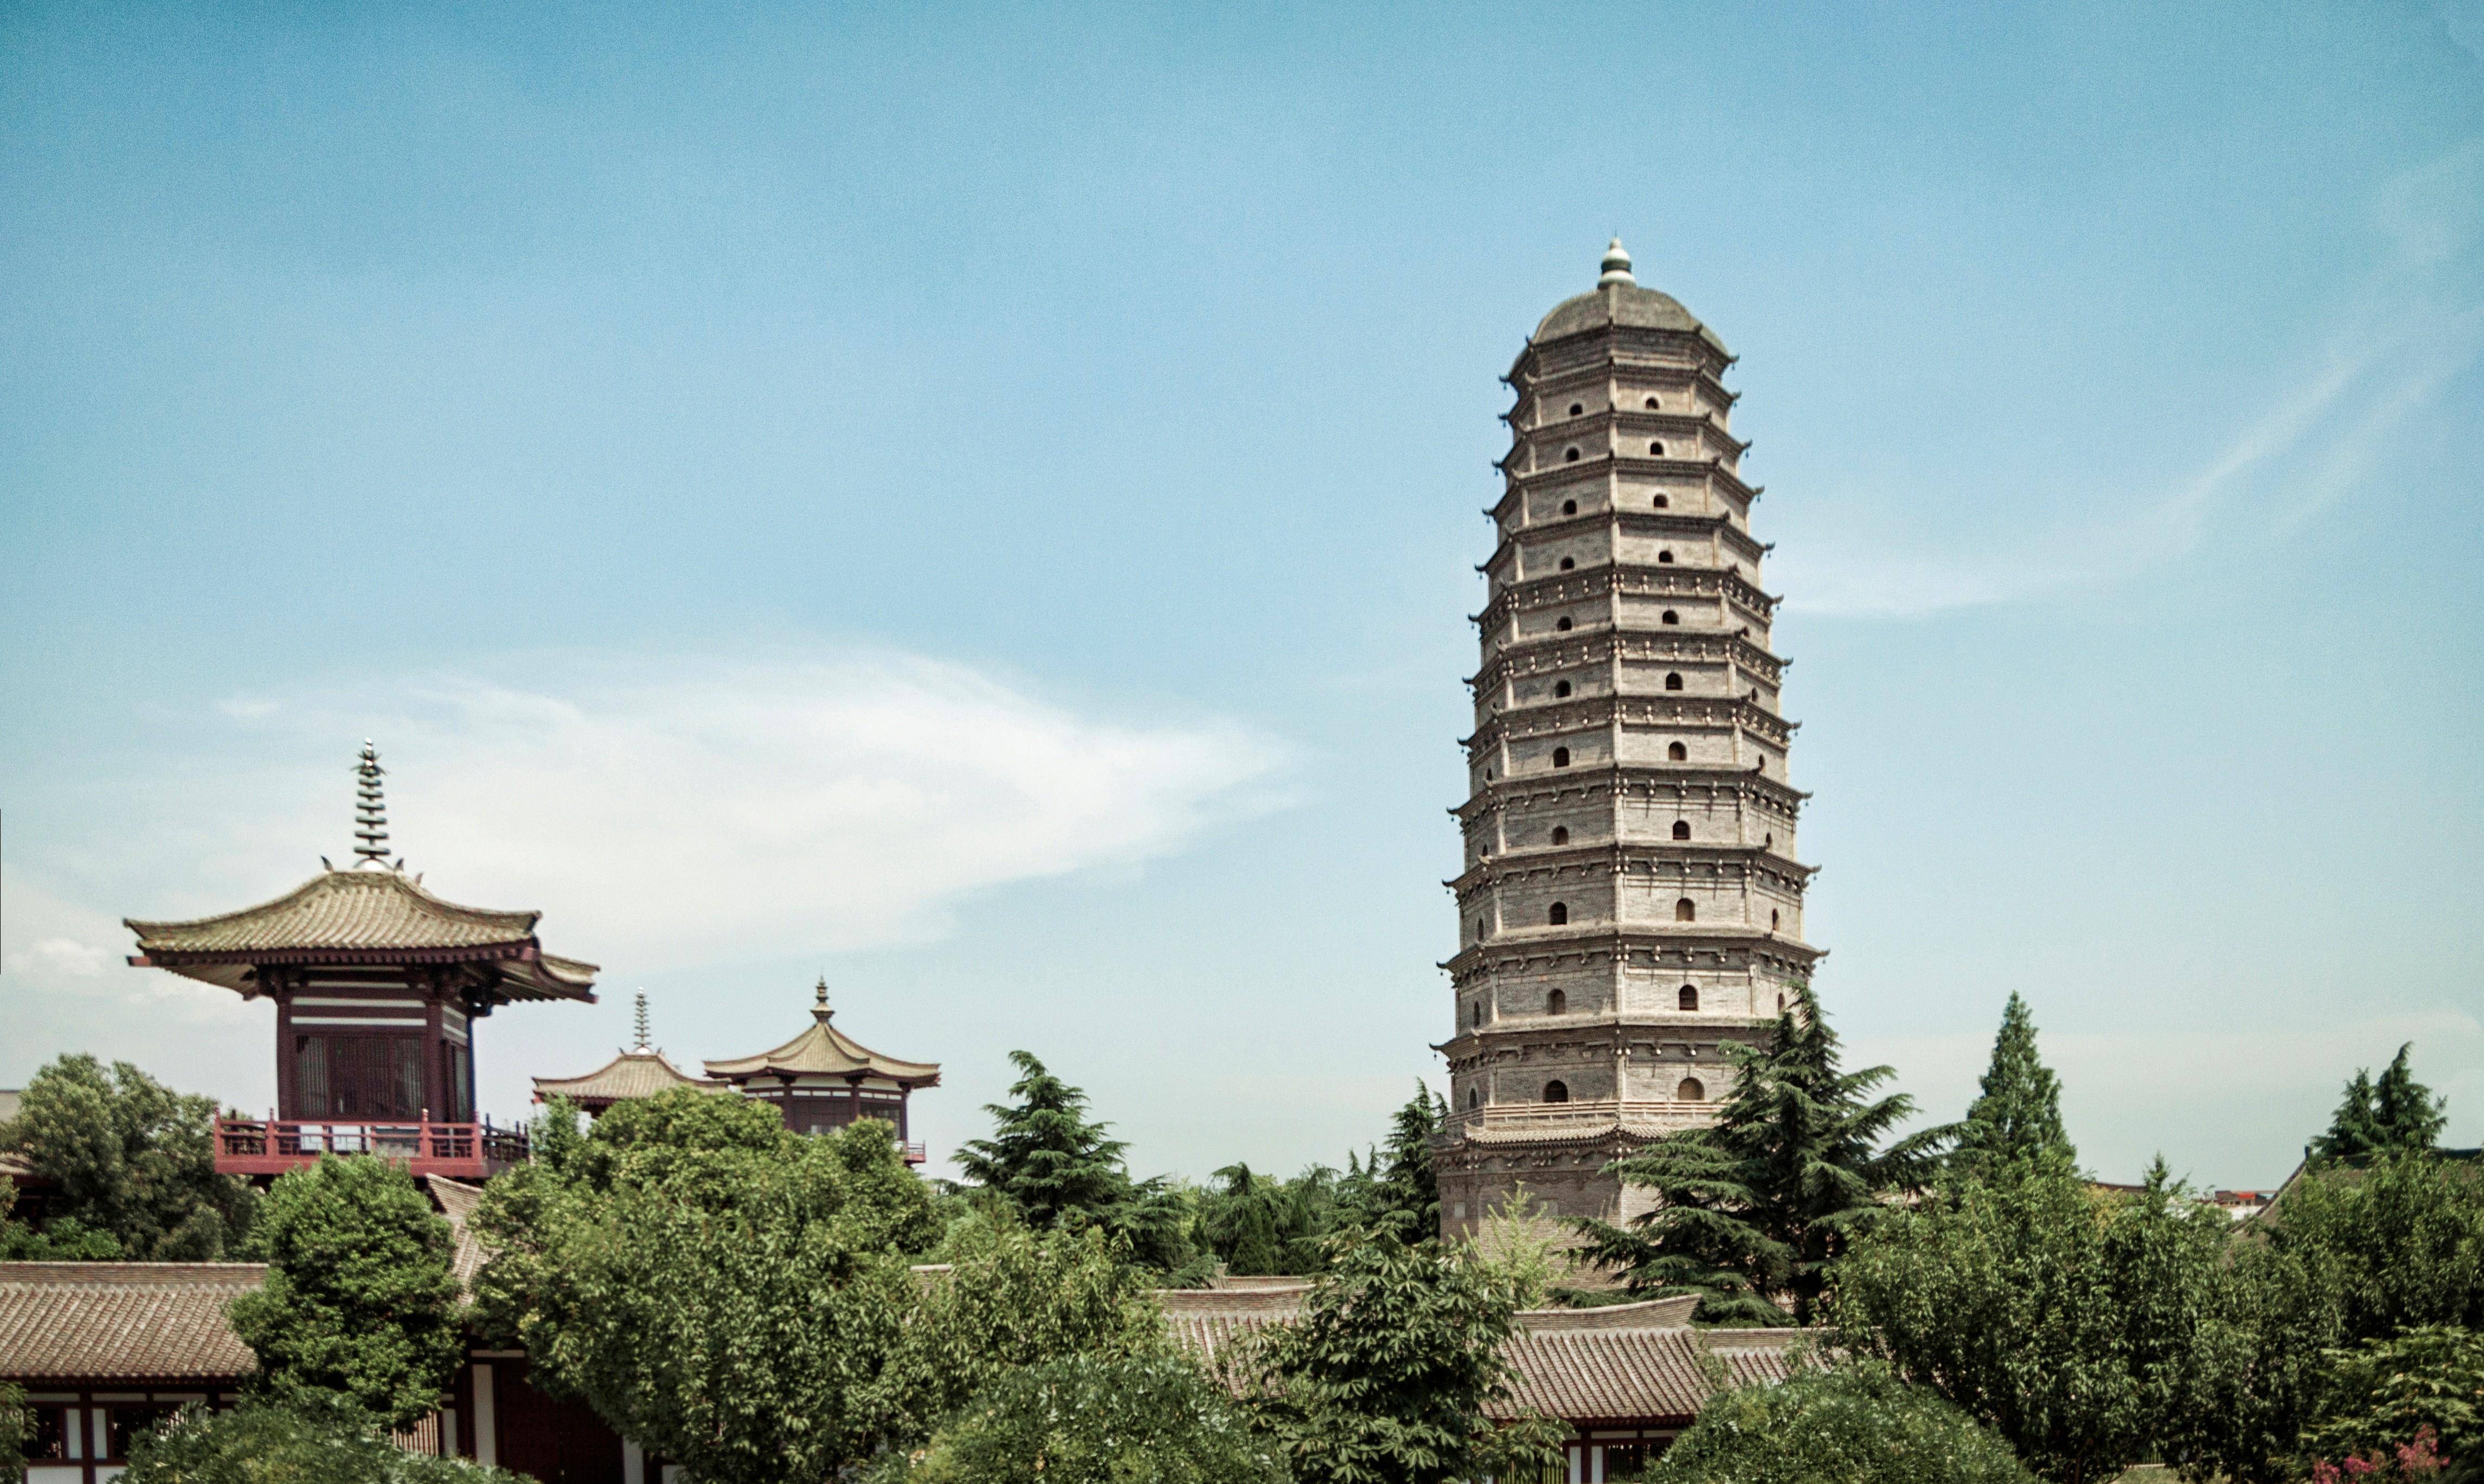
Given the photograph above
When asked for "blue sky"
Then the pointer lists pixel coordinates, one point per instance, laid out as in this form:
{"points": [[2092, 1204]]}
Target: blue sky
{"points": [[981, 503]]}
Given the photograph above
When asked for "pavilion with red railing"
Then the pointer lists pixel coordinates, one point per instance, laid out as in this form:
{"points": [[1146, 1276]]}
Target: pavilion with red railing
{"points": [[378, 986]]}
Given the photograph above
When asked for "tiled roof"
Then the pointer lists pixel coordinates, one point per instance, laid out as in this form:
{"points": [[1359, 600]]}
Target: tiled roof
{"points": [[631, 1074], [824, 1050], [110, 1321], [1625, 305], [457, 1201], [365, 916], [1622, 1362]]}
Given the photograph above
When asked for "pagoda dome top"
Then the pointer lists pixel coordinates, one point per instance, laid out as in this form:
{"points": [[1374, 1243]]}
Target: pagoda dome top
{"points": [[1618, 299]]}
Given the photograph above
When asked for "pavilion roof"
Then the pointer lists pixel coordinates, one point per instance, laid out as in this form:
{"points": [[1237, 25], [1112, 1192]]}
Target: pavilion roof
{"points": [[640, 1073], [366, 915], [824, 1050]]}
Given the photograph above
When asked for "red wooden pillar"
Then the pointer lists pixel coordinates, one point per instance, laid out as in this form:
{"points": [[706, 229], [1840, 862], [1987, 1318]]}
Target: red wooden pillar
{"points": [[289, 1095]]}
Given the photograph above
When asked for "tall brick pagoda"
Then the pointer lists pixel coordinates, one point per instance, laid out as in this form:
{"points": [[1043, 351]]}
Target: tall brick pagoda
{"points": [[378, 986], [1630, 898]]}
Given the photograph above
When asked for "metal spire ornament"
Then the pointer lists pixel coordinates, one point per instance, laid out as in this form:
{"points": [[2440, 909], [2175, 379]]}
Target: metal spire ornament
{"points": [[644, 1045], [370, 814]]}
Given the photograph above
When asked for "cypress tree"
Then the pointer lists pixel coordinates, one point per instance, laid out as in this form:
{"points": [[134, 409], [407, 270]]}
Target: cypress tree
{"points": [[2015, 1121], [1751, 1210], [1044, 1154], [2377, 1117], [2408, 1114]]}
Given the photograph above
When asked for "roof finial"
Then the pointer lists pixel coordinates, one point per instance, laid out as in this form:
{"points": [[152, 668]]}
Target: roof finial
{"points": [[645, 1041], [819, 998], [370, 814], [1618, 267]]}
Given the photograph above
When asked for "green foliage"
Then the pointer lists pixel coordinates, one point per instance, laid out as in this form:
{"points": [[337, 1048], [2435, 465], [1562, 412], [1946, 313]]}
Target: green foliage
{"points": [[2347, 1256], [2070, 1322], [1513, 1246], [1087, 1421], [1385, 1378], [131, 1159], [359, 1299], [2384, 1391], [745, 1301], [1259, 1224], [1854, 1423], [1751, 1210], [1404, 1191], [2395, 1114], [66, 1239], [2016, 1119], [303, 1441], [1059, 1169], [1044, 1154], [17, 1430]]}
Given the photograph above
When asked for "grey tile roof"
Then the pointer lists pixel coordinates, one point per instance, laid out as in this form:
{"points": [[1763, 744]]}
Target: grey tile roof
{"points": [[111, 1321], [1625, 305], [362, 915], [631, 1074]]}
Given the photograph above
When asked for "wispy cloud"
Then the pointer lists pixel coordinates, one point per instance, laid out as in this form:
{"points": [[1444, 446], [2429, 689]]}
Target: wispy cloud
{"points": [[2409, 328], [672, 810]]}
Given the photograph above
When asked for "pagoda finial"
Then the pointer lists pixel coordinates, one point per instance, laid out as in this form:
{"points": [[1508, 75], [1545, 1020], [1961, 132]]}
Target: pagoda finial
{"points": [[370, 814], [1618, 267], [820, 1001], [646, 1042]]}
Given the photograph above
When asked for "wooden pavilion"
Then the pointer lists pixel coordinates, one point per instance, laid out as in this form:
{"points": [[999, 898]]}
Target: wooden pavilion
{"points": [[377, 986], [824, 1079], [641, 1072]]}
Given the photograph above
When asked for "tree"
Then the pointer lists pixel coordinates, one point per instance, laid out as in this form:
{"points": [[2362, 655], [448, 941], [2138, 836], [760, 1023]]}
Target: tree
{"points": [[747, 1301], [1853, 1423], [2395, 1113], [16, 1431], [361, 1301], [263, 1441], [1406, 1191], [130, 1158], [2346, 1255], [1044, 1154], [1057, 1168], [65, 1240], [2070, 1322], [2385, 1392], [1385, 1377], [2016, 1119], [1751, 1210], [1151, 1420], [1259, 1224]]}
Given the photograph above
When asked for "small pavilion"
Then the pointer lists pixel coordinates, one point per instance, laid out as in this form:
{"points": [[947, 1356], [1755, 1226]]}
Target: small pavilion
{"points": [[641, 1072], [822, 1079], [377, 986]]}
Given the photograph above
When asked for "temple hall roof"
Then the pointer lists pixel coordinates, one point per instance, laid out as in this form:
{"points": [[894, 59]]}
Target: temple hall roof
{"points": [[1617, 299], [364, 915], [116, 1321], [640, 1073], [825, 1051]]}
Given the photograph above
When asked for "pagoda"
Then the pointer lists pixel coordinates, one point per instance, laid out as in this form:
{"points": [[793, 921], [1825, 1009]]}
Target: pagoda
{"points": [[642, 1072], [377, 986], [1631, 900], [824, 1079]]}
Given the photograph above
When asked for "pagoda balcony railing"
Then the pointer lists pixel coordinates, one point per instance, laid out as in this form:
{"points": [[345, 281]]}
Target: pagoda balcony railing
{"points": [[460, 1151], [913, 1153], [1657, 1115]]}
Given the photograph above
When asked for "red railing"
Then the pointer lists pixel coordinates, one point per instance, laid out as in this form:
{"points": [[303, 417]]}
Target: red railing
{"points": [[462, 1152], [914, 1153]]}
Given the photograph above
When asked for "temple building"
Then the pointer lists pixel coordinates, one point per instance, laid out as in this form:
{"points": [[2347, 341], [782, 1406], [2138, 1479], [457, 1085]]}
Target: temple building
{"points": [[378, 986], [1630, 898], [824, 1079], [642, 1072]]}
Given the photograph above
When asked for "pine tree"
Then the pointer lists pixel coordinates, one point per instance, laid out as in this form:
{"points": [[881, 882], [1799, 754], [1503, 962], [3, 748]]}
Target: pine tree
{"points": [[2408, 1114], [2377, 1117], [1407, 1189], [1751, 1210], [1044, 1154], [2015, 1121]]}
